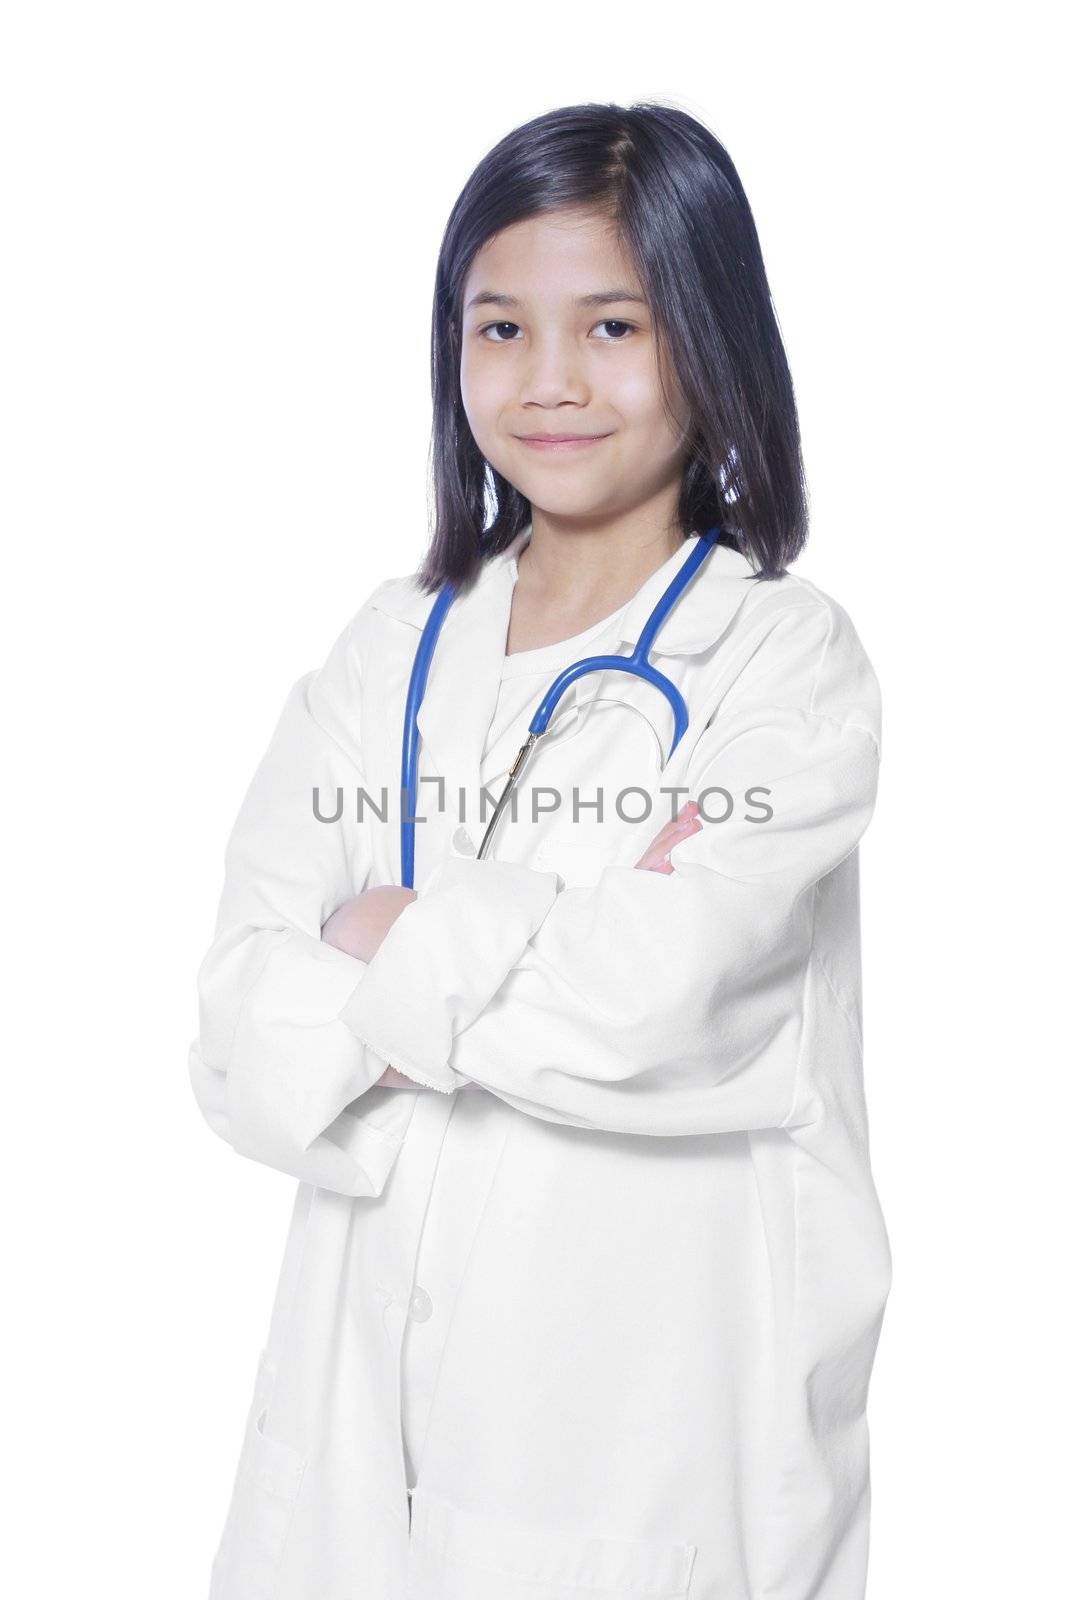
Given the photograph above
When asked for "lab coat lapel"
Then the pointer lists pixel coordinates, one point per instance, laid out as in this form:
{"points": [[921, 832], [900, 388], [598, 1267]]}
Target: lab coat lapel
{"points": [[704, 610]]}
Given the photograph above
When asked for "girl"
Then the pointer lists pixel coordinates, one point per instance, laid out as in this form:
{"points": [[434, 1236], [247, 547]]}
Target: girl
{"points": [[586, 1268]]}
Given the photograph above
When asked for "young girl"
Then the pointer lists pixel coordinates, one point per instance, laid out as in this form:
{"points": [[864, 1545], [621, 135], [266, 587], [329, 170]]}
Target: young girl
{"points": [[586, 1267]]}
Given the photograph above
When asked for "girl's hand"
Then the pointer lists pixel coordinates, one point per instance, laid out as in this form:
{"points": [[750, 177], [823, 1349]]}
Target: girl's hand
{"points": [[392, 1079], [684, 825], [359, 926]]}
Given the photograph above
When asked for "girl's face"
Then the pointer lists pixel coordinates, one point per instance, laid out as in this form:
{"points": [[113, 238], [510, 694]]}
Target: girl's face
{"points": [[557, 339]]}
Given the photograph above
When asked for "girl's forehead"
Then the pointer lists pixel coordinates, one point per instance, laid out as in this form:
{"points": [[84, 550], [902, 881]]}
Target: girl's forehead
{"points": [[551, 256]]}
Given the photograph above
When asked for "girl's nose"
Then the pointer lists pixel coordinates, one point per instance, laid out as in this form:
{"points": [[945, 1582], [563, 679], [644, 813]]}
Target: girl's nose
{"points": [[553, 376]]}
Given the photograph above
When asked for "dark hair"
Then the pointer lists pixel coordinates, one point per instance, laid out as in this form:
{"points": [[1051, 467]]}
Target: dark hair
{"points": [[675, 196]]}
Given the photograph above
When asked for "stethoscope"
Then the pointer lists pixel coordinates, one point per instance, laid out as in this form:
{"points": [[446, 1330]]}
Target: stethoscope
{"points": [[637, 664]]}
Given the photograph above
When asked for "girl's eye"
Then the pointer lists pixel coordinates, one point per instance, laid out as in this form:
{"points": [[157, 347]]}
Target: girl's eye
{"points": [[514, 328]]}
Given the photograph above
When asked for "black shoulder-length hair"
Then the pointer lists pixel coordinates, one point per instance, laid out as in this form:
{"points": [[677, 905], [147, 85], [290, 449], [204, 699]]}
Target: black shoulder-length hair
{"points": [[673, 192]]}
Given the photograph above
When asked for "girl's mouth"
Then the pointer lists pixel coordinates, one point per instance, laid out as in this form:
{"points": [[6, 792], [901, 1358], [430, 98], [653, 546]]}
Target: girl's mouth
{"points": [[564, 443]]}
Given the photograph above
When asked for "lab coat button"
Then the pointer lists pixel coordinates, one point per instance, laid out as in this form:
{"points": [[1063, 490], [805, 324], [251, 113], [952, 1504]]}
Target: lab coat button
{"points": [[420, 1306], [463, 843]]}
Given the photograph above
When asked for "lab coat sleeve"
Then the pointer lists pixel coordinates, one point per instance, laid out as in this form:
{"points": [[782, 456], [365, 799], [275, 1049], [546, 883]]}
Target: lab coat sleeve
{"points": [[652, 1003], [275, 1072]]}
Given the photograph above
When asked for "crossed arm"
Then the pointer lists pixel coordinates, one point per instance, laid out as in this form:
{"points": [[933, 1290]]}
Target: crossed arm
{"points": [[669, 997], [359, 926]]}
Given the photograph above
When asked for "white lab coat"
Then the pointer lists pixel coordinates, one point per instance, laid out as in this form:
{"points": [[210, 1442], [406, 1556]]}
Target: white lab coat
{"points": [[656, 1376]]}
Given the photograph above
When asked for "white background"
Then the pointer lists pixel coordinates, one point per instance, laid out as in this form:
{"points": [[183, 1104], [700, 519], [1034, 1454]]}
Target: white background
{"points": [[222, 222]]}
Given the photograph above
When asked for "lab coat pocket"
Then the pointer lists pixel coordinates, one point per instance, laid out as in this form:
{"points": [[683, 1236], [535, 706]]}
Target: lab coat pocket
{"points": [[264, 1496], [457, 1554]]}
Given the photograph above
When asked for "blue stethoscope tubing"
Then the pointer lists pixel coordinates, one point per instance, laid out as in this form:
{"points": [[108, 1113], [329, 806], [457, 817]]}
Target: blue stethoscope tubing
{"points": [[636, 664]]}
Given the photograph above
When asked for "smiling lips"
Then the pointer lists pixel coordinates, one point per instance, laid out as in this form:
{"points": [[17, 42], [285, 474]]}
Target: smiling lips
{"points": [[561, 442]]}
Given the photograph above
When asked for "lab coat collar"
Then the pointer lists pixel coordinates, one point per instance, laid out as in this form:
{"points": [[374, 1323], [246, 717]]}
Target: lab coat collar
{"points": [[695, 623], [462, 685]]}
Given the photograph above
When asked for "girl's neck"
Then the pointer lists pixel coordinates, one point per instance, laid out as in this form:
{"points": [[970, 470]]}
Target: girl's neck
{"points": [[574, 566], [569, 580]]}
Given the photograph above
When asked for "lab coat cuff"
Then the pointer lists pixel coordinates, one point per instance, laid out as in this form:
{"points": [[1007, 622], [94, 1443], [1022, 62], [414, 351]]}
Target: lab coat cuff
{"points": [[294, 1093], [314, 1125], [443, 960], [357, 1151]]}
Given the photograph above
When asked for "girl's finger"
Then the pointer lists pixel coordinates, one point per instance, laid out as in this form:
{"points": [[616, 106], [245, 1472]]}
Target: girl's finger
{"points": [[686, 815], [661, 846]]}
